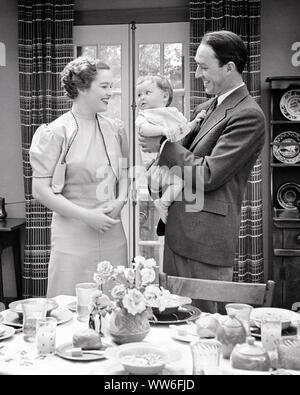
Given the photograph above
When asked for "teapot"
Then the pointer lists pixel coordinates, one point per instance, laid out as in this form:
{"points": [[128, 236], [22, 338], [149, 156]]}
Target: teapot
{"points": [[230, 333], [249, 356]]}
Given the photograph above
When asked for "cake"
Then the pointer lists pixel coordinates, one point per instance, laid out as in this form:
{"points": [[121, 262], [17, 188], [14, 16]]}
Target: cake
{"points": [[87, 339]]}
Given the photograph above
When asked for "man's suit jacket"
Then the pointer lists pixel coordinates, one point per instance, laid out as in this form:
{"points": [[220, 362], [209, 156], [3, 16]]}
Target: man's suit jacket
{"points": [[226, 147]]}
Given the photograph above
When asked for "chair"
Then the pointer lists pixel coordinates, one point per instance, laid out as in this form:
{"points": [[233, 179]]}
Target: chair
{"points": [[255, 294]]}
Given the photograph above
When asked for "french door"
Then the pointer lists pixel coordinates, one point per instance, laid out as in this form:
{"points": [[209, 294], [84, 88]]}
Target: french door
{"points": [[131, 51]]}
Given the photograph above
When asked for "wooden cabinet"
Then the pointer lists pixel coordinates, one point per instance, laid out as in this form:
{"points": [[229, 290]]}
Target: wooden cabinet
{"points": [[284, 125]]}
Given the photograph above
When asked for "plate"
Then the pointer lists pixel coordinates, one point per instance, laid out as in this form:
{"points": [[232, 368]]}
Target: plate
{"points": [[8, 332], [62, 351], [286, 316], [286, 147], [184, 314], [184, 333], [62, 315], [16, 306], [290, 104], [288, 194], [72, 306]]}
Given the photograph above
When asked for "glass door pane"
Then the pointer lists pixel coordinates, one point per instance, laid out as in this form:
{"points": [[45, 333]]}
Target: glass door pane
{"points": [[160, 49]]}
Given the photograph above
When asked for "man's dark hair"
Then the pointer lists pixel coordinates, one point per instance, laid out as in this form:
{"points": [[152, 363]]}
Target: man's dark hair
{"points": [[228, 47]]}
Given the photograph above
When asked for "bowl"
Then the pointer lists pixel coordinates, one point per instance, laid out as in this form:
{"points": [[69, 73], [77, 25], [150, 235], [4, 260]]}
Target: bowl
{"points": [[16, 306], [173, 303], [139, 358], [273, 313]]}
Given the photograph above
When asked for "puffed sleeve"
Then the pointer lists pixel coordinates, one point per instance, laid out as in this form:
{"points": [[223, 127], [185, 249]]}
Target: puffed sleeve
{"points": [[45, 151]]}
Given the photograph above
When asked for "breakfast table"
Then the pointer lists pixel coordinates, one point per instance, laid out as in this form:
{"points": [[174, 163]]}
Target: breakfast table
{"points": [[18, 357]]}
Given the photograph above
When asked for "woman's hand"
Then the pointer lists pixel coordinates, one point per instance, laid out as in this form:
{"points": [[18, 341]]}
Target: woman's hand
{"points": [[115, 206], [100, 218]]}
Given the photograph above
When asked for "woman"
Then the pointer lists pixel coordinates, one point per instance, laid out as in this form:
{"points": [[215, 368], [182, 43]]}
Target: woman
{"points": [[89, 147]]}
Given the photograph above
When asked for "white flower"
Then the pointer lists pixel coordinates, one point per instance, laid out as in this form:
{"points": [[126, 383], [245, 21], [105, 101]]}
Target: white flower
{"points": [[152, 292], [138, 261], [119, 269], [134, 302], [161, 304], [150, 263], [105, 269], [129, 275], [148, 276], [118, 292]]}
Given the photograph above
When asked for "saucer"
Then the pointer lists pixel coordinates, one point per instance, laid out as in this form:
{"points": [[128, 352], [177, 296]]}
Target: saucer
{"points": [[8, 332], [61, 314], [184, 333]]}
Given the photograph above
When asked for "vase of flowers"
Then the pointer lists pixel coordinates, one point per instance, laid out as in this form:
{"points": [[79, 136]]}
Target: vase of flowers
{"points": [[130, 315]]}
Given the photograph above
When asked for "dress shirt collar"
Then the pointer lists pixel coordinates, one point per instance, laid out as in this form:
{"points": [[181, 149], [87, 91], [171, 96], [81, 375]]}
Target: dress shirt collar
{"points": [[222, 97]]}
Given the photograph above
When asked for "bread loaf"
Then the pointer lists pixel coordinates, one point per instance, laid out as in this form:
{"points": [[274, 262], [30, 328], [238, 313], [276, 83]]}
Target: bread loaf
{"points": [[289, 354], [87, 339]]}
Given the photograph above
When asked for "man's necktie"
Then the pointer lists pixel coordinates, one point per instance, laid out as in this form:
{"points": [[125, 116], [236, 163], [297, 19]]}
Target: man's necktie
{"points": [[194, 133]]}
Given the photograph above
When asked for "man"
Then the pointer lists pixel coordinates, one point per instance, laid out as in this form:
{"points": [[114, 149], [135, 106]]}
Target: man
{"points": [[202, 244]]}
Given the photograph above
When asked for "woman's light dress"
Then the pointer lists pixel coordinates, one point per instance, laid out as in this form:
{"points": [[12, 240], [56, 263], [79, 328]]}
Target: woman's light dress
{"points": [[93, 168]]}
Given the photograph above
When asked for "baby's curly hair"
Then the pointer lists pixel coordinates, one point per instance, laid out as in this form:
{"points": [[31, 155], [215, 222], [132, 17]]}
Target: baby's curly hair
{"points": [[162, 82], [79, 74]]}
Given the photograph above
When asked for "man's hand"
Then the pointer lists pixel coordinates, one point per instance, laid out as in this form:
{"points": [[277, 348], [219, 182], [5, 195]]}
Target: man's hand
{"points": [[149, 144]]}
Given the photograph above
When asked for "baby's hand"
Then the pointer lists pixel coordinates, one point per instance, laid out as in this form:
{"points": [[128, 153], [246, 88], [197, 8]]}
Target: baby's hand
{"points": [[201, 115]]}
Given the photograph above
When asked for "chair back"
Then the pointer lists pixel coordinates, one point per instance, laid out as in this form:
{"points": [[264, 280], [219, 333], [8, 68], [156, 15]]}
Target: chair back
{"points": [[255, 294]]}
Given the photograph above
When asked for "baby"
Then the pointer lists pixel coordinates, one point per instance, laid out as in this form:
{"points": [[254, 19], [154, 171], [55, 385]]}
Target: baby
{"points": [[156, 118]]}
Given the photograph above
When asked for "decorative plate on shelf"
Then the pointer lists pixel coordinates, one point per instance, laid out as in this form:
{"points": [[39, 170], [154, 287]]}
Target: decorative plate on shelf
{"points": [[290, 104], [286, 147], [288, 194]]}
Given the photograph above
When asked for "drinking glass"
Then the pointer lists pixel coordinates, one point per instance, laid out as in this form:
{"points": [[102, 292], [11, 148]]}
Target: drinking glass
{"points": [[33, 310], [242, 312], [206, 356], [46, 335], [84, 292], [270, 335]]}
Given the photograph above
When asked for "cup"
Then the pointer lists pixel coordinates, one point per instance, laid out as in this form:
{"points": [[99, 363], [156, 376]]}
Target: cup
{"points": [[270, 337], [46, 335], [84, 292], [206, 356], [33, 310], [242, 312]]}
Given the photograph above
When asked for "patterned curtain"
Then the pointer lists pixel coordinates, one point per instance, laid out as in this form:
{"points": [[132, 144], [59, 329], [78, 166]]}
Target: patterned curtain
{"points": [[243, 18], [45, 46]]}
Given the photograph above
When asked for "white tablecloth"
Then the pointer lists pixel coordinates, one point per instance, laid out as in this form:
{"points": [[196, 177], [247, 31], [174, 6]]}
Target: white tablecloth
{"points": [[18, 357]]}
